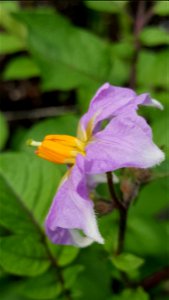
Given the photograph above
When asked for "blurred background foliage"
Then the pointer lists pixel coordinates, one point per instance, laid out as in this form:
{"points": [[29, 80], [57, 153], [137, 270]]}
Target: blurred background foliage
{"points": [[53, 56]]}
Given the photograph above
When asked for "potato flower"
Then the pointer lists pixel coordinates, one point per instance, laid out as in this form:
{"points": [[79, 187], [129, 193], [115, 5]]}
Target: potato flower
{"points": [[111, 135]]}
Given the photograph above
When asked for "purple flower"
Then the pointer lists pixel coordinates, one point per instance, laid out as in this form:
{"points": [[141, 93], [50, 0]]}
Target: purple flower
{"points": [[126, 141]]}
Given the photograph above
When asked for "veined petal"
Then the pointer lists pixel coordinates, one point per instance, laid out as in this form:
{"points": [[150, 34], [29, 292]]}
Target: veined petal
{"points": [[72, 209], [106, 102], [125, 142], [110, 101]]}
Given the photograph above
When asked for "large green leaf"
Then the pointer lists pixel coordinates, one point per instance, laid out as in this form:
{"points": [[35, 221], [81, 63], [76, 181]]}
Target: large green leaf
{"points": [[21, 252], [32, 179], [67, 56], [28, 185], [23, 255], [14, 216]]}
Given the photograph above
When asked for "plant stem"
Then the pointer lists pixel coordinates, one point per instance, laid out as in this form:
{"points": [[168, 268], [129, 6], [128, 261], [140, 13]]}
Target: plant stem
{"points": [[122, 230], [117, 203], [122, 213], [142, 18]]}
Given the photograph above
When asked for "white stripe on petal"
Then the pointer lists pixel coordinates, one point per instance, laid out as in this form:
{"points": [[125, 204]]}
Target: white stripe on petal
{"points": [[79, 240]]}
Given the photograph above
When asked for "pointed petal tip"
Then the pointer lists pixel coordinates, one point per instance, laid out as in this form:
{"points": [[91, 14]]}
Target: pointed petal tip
{"points": [[157, 156], [101, 241], [157, 104]]}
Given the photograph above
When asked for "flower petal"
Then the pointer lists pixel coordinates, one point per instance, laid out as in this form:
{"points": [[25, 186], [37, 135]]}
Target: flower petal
{"points": [[110, 101], [107, 100], [125, 142], [72, 209]]}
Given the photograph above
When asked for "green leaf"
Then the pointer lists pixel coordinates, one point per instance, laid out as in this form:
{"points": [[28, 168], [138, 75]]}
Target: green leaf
{"points": [[95, 281], [34, 181], [12, 209], [154, 36], [151, 234], [20, 68], [161, 8], [62, 50], [152, 69], [8, 22], [27, 186], [59, 125], [8, 289], [45, 286], [106, 6], [10, 6], [70, 275], [23, 255], [4, 131], [127, 262], [10, 44], [67, 255], [128, 294]]}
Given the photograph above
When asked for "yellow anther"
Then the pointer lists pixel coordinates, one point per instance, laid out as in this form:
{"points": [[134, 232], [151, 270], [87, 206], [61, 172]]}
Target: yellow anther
{"points": [[59, 149]]}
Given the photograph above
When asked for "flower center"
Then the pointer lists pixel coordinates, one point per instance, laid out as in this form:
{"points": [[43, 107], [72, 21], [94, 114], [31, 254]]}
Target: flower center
{"points": [[60, 149]]}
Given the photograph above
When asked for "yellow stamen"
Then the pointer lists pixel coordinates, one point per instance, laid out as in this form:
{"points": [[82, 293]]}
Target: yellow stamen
{"points": [[86, 134], [59, 149]]}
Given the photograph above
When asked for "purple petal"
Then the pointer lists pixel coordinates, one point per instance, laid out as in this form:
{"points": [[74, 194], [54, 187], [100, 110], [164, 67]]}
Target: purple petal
{"points": [[71, 210], [125, 142], [106, 102], [145, 99], [110, 101]]}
